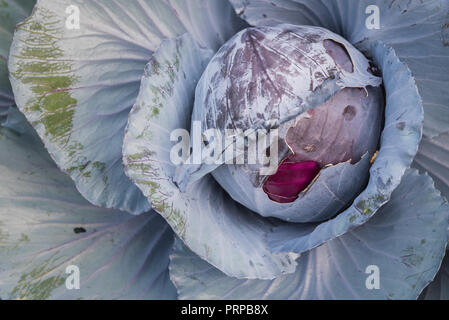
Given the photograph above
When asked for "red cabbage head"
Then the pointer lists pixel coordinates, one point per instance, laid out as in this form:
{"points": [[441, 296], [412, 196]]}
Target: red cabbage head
{"points": [[320, 105]]}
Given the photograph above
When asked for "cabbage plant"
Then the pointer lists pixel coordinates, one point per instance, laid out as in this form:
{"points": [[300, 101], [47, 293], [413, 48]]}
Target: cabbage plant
{"points": [[117, 116]]}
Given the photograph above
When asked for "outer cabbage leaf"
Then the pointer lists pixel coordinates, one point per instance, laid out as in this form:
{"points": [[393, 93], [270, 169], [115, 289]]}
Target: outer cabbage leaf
{"points": [[433, 156], [399, 144], [11, 13], [406, 241], [77, 86], [438, 289], [46, 226], [222, 232], [418, 30]]}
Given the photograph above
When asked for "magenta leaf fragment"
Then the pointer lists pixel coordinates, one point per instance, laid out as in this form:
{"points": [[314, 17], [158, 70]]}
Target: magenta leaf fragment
{"points": [[290, 179]]}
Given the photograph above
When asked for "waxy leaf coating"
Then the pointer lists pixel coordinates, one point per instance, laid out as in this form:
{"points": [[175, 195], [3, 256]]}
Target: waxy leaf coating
{"points": [[270, 74]]}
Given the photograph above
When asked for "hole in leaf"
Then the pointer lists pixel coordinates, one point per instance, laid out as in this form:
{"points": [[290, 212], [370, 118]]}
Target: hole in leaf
{"points": [[79, 230]]}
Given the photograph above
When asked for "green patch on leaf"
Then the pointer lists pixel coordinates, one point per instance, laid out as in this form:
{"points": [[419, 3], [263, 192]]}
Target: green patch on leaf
{"points": [[371, 205], [37, 284], [41, 65], [411, 257], [3, 237], [24, 238]]}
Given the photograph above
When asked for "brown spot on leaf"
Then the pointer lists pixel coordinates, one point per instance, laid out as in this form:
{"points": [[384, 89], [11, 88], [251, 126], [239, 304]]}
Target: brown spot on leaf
{"points": [[374, 157], [400, 126], [349, 113], [309, 148]]}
